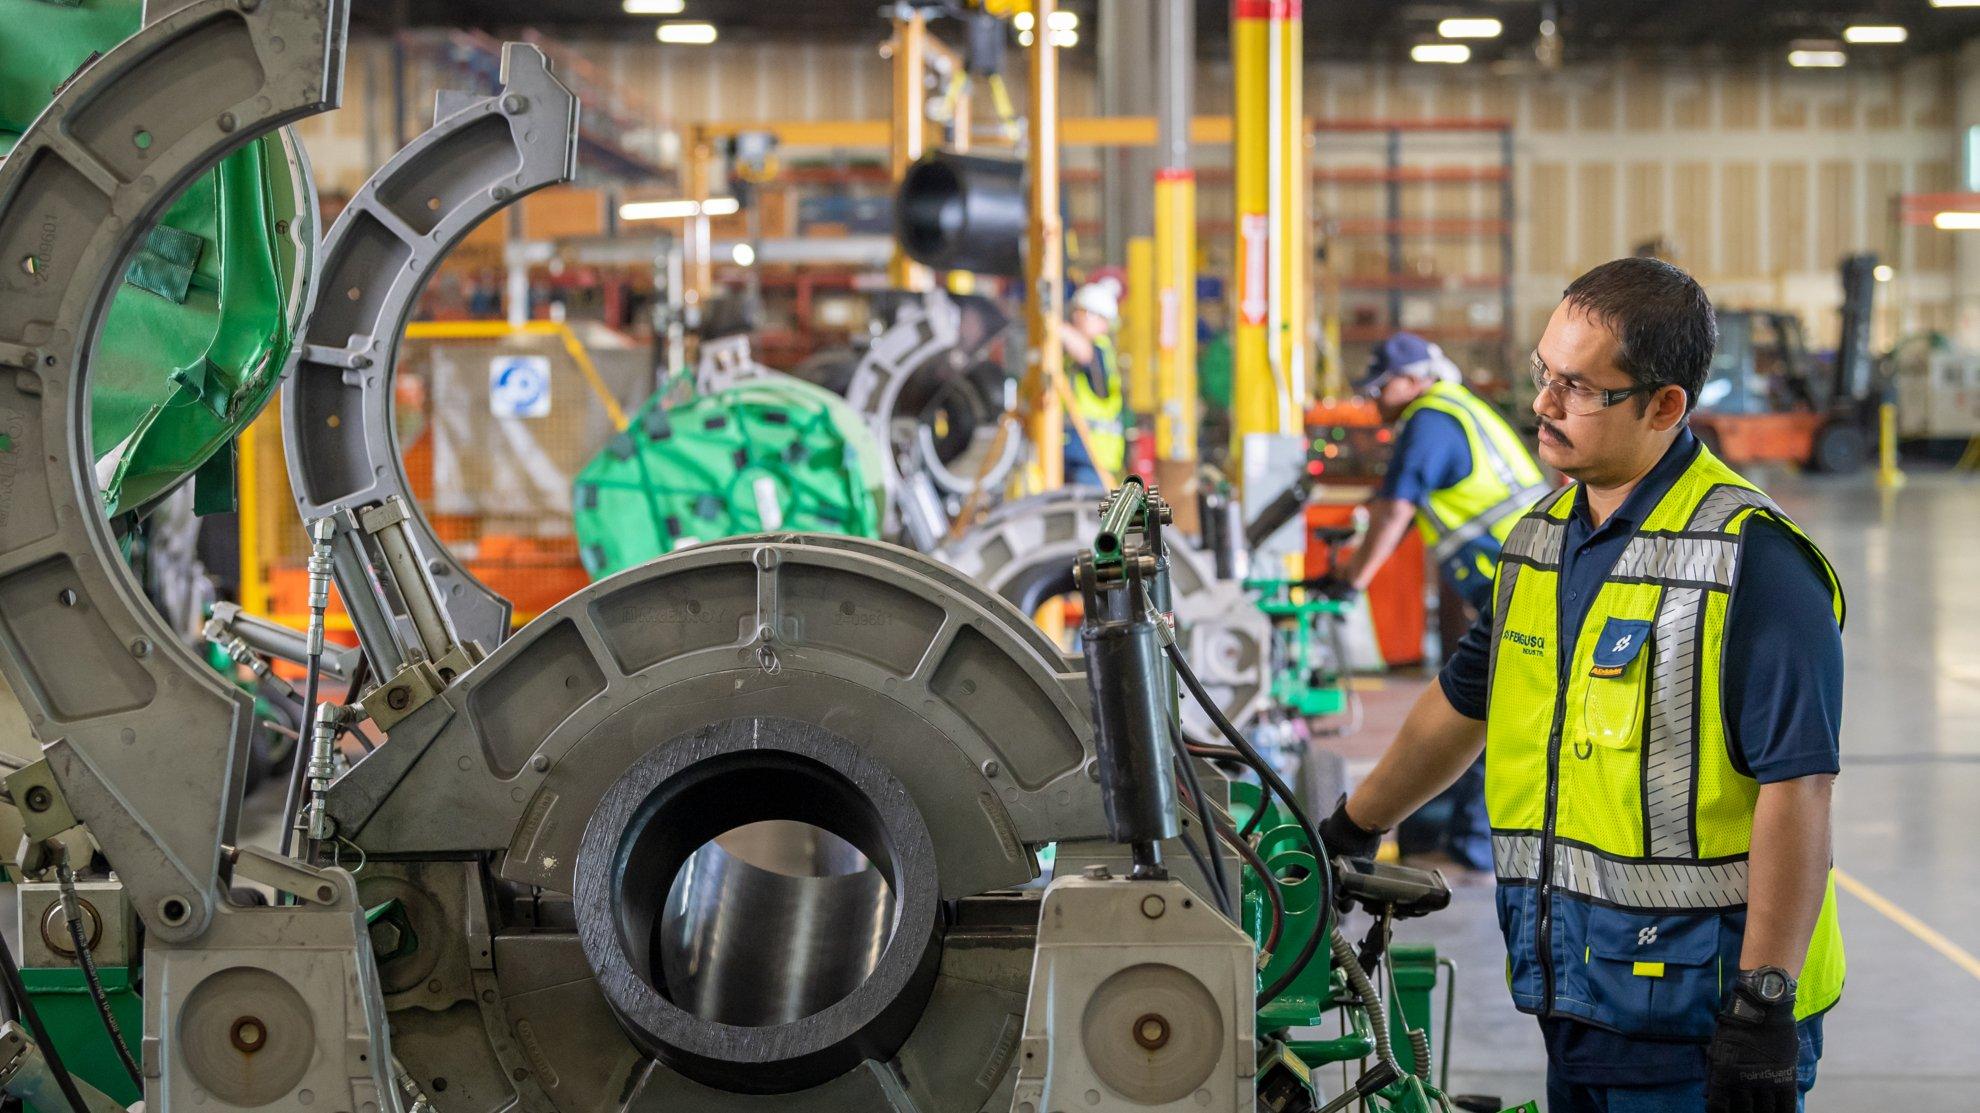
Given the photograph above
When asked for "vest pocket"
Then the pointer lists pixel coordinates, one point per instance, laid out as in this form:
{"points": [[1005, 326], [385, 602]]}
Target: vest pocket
{"points": [[1652, 974]]}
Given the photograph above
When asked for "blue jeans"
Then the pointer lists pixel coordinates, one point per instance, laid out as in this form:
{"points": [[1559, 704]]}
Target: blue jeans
{"points": [[1684, 1097]]}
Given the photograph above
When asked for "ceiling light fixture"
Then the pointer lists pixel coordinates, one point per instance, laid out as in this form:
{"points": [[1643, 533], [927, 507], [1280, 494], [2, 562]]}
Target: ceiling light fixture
{"points": [[686, 34], [1875, 33], [1957, 221], [678, 210], [1023, 21], [1444, 53], [1956, 3], [1486, 28], [1817, 59], [1065, 40], [1063, 20], [744, 255], [655, 7], [1883, 273]]}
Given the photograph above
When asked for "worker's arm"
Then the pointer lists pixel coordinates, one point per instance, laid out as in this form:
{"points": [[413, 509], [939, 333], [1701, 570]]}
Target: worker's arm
{"points": [[1434, 746], [1787, 872], [1078, 345], [1388, 523]]}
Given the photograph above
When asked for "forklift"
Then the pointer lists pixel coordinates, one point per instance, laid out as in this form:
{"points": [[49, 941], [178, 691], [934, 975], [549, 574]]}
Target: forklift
{"points": [[1768, 399]]}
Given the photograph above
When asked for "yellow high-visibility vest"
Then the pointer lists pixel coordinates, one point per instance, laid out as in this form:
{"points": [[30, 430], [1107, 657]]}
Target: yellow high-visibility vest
{"points": [[1104, 414], [1463, 525], [1620, 823]]}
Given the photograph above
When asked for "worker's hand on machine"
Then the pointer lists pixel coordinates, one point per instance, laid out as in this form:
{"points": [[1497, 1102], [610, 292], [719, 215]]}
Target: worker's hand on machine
{"points": [[1335, 588], [1344, 838], [1752, 1057]]}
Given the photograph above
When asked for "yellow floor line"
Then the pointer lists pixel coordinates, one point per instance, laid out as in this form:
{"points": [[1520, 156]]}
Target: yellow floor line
{"points": [[1960, 956]]}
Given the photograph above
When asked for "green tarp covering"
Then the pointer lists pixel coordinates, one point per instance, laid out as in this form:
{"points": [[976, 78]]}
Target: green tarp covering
{"points": [[194, 343], [772, 453]]}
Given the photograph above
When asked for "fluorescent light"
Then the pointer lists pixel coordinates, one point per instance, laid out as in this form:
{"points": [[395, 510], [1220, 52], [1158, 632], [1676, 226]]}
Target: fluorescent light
{"points": [[1024, 38], [678, 210], [1065, 40], [1023, 21], [1883, 273], [1957, 222], [1817, 59], [1875, 33], [744, 255], [1956, 3], [1063, 20], [1470, 28], [655, 7], [1447, 53], [686, 34]]}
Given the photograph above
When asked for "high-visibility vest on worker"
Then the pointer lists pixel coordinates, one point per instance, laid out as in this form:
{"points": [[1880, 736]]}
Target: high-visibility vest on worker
{"points": [[1463, 525], [1106, 428], [1620, 823]]}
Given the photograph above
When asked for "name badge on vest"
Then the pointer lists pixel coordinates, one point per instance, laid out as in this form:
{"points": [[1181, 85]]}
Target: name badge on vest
{"points": [[1622, 639]]}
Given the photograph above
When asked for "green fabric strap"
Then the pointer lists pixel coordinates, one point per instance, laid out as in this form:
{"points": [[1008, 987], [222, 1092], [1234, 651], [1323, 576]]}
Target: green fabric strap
{"points": [[165, 265]]}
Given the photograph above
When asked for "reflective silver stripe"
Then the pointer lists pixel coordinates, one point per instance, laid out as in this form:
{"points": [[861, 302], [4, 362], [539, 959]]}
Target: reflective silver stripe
{"points": [[1721, 503], [1696, 560], [1501, 604], [1521, 501], [1538, 539], [1670, 737], [1650, 885]]}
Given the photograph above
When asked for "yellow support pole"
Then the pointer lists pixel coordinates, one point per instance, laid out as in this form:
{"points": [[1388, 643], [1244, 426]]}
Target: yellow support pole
{"points": [[1176, 417], [1139, 336], [910, 128], [1292, 224], [1045, 263], [253, 544], [1266, 347], [1889, 475]]}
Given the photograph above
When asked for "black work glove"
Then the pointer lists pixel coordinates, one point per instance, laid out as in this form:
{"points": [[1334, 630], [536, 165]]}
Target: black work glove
{"points": [[1750, 1063], [1337, 589], [1344, 838]]}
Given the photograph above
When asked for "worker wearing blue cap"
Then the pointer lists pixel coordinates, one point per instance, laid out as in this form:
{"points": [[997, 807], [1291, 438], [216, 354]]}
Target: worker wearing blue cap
{"points": [[1460, 471]]}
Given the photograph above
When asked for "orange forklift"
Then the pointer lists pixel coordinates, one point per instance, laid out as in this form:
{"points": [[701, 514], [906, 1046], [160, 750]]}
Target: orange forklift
{"points": [[1769, 400]]}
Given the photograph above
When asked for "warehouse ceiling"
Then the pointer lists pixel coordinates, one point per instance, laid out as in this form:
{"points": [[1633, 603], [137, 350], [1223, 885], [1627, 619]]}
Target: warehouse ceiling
{"points": [[1346, 30]]}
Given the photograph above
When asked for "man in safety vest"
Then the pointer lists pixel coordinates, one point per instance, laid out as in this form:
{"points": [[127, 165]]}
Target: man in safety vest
{"points": [[1095, 374], [1458, 469], [1657, 683], [1462, 473]]}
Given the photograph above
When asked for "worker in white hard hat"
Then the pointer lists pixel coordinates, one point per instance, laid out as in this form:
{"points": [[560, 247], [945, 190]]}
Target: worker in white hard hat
{"points": [[1095, 373]]}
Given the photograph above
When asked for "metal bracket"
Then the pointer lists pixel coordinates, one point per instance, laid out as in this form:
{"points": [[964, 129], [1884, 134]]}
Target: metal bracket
{"points": [[412, 688], [337, 413], [148, 744], [284, 875], [44, 810]]}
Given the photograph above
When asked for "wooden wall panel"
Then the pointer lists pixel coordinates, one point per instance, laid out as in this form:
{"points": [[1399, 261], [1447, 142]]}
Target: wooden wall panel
{"points": [[1645, 213], [1739, 220], [1883, 101], [1643, 99], [1692, 226], [1883, 182], [1550, 108], [1595, 229], [1835, 210], [1787, 210], [1935, 248], [1739, 100], [1691, 101], [1595, 108], [1547, 219]]}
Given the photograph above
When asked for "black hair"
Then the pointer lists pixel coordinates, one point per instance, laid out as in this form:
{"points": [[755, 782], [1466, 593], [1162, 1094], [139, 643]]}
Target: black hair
{"points": [[1662, 320]]}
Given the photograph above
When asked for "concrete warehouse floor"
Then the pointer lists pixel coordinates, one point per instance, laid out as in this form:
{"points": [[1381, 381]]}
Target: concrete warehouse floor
{"points": [[1905, 811]]}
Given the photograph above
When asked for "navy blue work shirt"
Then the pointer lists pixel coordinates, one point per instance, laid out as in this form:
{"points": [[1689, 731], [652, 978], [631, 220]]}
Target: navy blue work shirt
{"points": [[1431, 454], [1782, 697]]}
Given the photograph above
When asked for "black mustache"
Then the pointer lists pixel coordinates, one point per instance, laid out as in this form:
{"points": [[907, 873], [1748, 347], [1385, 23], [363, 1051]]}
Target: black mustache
{"points": [[1556, 431]]}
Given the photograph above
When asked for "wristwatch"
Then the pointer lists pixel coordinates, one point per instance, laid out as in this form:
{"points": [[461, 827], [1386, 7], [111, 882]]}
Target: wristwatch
{"points": [[1770, 984]]}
